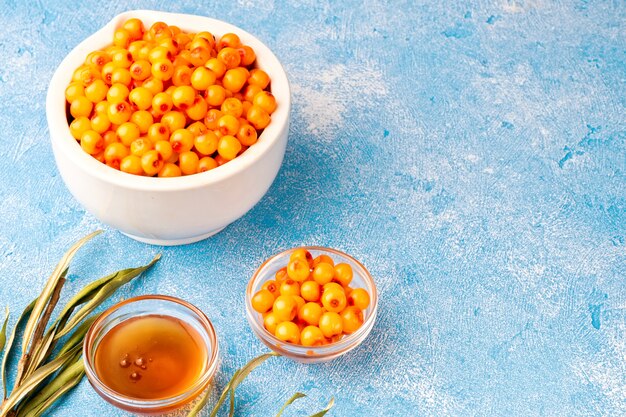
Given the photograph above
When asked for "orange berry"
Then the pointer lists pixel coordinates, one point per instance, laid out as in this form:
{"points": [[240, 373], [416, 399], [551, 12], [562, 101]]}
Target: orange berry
{"points": [[262, 301], [228, 147], [159, 132], [289, 287], [151, 162], [181, 76], [331, 324], [206, 164], [359, 298], [247, 135], [310, 313], [352, 319], [229, 40], [216, 66], [343, 274], [230, 57], [285, 307], [134, 27], [206, 144], [298, 270], [162, 69], [174, 120], [188, 162], [270, 321], [81, 107], [259, 78], [215, 95], [198, 109], [323, 259], [182, 140], [310, 290], [272, 287], [132, 165], [258, 117], [202, 78], [170, 170], [247, 54], [234, 79], [164, 148], [266, 101], [311, 336], [92, 142], [288, 332], [114, 153]]}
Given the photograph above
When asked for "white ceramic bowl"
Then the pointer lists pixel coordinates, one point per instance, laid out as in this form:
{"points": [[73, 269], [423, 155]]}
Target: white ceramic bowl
{"points": [[169, 211]]}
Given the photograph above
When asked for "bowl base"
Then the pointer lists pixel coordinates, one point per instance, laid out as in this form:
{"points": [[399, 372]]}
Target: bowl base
{"points": [[172, 242]]}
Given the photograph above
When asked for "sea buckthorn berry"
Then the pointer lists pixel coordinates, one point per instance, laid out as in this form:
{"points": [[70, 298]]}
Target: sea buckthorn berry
{"points": [[215, 95], [107, 72], [119, 112], [247, 54], [174, 120], [234, 79], [352, 319], [183, 96], [141, 97], [182, 39], [154, 85], [250, 91], [134, 27], [323, 259], [266, 101], [175, 30], [289, 287], [79, 126], [162, 69], [216, 66], [169, 170], [117, 93], [270, 321], [100, 123], [92, 142], [272, 287], [331, 324], [140, 70], [323, 273], [198, 109], [206, 164], [159, 132], [246, 106], [97, 59], [132, 165], [121, 38], [228, 147], [343, 274], [229, 40], [188, 162], [143, 119], [228, 125], [121, 76], [247, 135], [164, 148], [135, 48], [199, 56], [162, 103], [230, 57], [109, 138], [281, 275], [211, 119], [232, 106], [199, 42], [359, 298], [259, 78], [303, 254], [311, 336], [183, 59], [140, 146], [182, 140], [310, 313], [288, 332], [221, 160], [73, 91], [285, 307], [101, 107], [89, 75], [298, 270], [197, 128], [151, 162], [128, 132], [334, 299], [114, 153], [300, 302], [258, 117], [122, 58], [202, 78], [81, 107], [159, 31], [262, 301], [170, 44], [310, 290], [206, 144], [181, 76], [96, 91]]}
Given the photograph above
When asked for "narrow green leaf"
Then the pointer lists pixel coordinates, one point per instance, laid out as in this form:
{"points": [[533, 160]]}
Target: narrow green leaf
{"points": [[48, 290], [30, 383], [9, 346], [62, 391], [234, 381], [231, 413], [293, 398], [322, 413], [78, 336], [120, 278], [61, 381], [3, 331]]}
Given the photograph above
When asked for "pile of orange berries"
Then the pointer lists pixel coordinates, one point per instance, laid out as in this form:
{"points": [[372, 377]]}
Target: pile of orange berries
{"points": [[310, 301], [164, 102]]}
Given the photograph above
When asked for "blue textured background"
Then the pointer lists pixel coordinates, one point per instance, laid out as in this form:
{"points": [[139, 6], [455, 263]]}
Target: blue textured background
{"points": [[472, 156]]}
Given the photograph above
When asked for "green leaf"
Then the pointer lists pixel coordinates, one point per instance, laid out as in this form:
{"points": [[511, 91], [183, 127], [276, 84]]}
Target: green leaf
{"points": [[3, 331], [9, 346], [116, 280], [62, 391], [48, 290], [32, 382], [78, 336], [322, 413], [293, 398], [237, 378]]}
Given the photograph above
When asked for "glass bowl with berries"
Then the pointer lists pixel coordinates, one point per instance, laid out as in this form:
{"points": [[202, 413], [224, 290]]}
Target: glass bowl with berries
{"points": [[311, 304], [169, 126]]}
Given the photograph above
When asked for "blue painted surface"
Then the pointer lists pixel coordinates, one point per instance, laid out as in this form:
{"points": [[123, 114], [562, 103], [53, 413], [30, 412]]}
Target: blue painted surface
{"points": [[473, 157]]}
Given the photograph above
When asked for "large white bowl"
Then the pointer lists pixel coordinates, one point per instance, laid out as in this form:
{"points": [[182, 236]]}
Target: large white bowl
{"points": [[169, 211]]}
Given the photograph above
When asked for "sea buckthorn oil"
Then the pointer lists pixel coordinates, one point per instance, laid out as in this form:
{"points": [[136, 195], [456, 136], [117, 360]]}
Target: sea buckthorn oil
{"points": [[151, 357]]}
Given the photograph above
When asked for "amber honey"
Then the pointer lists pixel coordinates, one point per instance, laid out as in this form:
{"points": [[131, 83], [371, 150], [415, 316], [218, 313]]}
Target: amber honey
{"points": [[151, 357]]}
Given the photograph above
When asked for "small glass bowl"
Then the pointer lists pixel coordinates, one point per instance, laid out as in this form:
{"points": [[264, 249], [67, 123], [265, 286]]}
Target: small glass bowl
{"points": [[143, 306], [312, 354]]}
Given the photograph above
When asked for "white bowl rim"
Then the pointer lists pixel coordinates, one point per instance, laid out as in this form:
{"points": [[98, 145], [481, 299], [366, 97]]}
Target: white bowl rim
{"points": [[57, 118]]}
